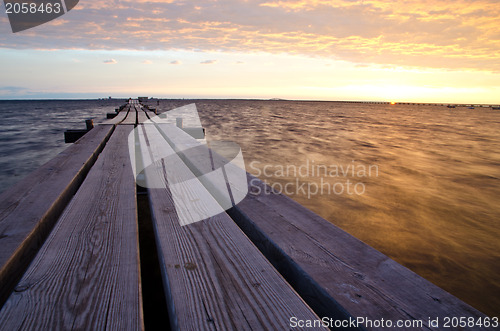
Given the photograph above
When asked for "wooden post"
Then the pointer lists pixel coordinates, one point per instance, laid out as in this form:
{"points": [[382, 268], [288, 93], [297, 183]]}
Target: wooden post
{"points": [[90, 124], [70, 136]]}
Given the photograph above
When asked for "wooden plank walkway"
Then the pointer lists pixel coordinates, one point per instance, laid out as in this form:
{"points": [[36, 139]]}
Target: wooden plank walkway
{"points": [[30, 209], [214, 276], [86, 275]]}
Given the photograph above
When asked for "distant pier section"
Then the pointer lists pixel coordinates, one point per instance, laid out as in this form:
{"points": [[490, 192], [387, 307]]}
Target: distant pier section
{"points": [[492, 106]]}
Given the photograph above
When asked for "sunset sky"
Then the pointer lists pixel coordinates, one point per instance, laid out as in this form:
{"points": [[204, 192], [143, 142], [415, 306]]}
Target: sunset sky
{"points": [[409, 50]]}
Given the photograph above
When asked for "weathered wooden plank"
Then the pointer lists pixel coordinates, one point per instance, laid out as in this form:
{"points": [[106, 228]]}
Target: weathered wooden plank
{"points": [[191, 150], [151, 110], [183, 184], [131, 118], [120, 117], [215, 278], [86, 275], [338, 275], [335, 272], [141, 114], [29, 210], [200, 161]]}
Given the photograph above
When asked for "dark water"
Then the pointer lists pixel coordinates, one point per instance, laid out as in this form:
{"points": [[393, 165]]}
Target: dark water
{"points": [[431, 200], [32, 132]]}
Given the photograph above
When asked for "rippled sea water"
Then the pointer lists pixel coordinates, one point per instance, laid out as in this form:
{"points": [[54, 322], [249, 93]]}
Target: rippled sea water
{"points": [[32, 132], [431, 200]]}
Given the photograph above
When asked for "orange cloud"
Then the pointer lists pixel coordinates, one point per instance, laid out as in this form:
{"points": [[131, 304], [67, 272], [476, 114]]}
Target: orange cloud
{"points": [[461, 34]]}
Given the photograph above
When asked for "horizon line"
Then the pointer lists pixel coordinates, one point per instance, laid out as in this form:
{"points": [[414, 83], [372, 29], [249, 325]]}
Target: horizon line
{"points": [[262, 99]]}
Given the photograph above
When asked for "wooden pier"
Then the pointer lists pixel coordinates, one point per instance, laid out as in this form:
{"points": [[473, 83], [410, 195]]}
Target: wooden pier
{"points": [[70, 254]]}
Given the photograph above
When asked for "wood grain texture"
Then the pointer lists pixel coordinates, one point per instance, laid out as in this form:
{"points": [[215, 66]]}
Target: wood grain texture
{"points": [[29, 210], [335, 272], [215, 278], [86, 275], [200, 162], [192, 200], [194, 153]]}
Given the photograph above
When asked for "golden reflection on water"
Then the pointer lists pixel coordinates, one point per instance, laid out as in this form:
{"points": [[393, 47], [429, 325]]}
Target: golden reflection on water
{"points": [[435, 204]]}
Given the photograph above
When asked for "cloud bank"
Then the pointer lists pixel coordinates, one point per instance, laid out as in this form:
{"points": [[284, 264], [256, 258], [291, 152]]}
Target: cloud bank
{"points": [[459, 34]]}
